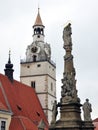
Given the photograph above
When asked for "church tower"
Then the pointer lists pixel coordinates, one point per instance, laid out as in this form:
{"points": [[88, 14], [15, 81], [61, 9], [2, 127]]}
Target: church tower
{"points": [[38, 70]]}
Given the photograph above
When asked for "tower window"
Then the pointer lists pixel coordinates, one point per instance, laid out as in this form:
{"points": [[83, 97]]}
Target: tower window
{"points": [[38, 36], [33, 84], [38, 31], [41, 31], [28, 66], [38, 65], [3, 125], [51, 86], [35, 31], [34, 58], [51, 102]]}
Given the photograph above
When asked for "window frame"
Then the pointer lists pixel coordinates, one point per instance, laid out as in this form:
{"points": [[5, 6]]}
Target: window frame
{"points": [[3, 120]]}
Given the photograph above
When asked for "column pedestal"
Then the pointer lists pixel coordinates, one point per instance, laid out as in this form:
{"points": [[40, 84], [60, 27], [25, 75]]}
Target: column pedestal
{"points": [[70, 118]]}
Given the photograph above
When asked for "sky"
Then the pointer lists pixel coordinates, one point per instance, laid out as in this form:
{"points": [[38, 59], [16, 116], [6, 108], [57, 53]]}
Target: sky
{"points": [[16, 20]]}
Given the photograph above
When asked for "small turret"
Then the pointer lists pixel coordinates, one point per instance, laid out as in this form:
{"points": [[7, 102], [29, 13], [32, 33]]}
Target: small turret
{"points": [[38, 28], [9, 69]]}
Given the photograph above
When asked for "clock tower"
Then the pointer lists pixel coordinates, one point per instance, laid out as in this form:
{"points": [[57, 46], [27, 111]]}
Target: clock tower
{"points": [[38, 70]]}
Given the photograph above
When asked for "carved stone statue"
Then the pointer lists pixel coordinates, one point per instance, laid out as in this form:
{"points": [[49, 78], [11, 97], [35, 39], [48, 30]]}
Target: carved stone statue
{"points": [[69, 92], [67, 35], [54, 112], [47, 50], [87, 110]]}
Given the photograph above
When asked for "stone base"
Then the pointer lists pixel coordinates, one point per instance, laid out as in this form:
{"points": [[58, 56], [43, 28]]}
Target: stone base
{"points": [[70, 112], [70, 119], [87, 125], [72, 125]]}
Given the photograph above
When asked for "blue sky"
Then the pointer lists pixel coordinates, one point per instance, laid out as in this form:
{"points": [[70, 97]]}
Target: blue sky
{"points": [[17, 19]]}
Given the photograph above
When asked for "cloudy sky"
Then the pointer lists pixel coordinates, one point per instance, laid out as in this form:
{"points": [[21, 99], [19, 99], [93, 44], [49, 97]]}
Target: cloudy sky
{"points": [[16, 20]]}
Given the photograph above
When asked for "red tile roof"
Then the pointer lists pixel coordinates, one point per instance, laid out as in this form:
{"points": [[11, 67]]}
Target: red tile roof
{"points": [[22, 123], [95, 122], [23, 102], [3, 103], [16, 124], [2, 107]]}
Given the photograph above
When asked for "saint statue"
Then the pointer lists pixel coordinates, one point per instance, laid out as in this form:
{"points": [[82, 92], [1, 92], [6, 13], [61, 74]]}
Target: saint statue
{"points": [[67, 35], [87, 110], [54, 112]]}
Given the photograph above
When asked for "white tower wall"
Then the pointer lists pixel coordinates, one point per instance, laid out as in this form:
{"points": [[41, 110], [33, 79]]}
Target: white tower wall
{"points": [[44, 76]]}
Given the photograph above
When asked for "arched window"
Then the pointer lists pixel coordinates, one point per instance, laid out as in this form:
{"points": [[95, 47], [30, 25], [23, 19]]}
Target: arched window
{"points": [[42, 31], [35, 31], [38, 31]]}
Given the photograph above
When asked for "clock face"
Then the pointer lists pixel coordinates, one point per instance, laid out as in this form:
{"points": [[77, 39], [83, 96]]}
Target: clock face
{"points": [[34, 49]]}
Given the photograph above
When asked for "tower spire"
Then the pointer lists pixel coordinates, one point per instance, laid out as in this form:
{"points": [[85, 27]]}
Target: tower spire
{"points": [[38, 28], [9, 68], [38, 20], [9, 60]]}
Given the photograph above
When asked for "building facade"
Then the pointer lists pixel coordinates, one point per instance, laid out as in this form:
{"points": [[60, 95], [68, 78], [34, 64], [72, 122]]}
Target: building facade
{"points": [[38, 70], [20, 108], [5, 117]]}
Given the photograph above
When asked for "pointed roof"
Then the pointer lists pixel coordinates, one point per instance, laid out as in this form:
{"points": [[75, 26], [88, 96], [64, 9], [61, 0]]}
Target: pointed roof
{"points": [[38, 20]]}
